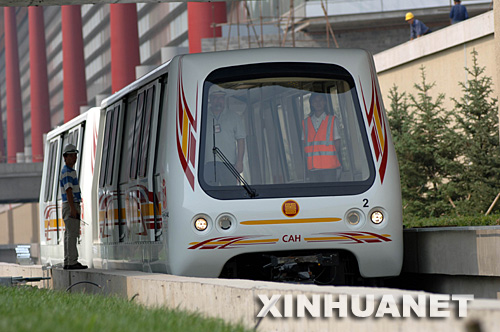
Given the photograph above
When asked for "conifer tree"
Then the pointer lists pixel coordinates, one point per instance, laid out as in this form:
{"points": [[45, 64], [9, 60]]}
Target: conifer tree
{"points": [[431, 150], [476, 115], [401, 121]]}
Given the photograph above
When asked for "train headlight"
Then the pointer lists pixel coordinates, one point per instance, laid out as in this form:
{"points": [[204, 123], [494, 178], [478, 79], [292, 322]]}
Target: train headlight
{"points": [[355, 218], [226, 223], [377, 217], [201, 224]]}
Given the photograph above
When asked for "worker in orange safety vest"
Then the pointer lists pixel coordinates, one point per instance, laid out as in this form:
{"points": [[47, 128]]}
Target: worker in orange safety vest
{"points": [[321, 141]]}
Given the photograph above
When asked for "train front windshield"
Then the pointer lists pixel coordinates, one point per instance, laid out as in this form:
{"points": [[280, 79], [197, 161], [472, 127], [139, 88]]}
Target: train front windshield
{"points": [[283, 130]]}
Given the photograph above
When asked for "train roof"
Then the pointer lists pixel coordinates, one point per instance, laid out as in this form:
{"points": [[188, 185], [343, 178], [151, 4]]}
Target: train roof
{"points": [[71, 123], [155, 73], [246, 56]]}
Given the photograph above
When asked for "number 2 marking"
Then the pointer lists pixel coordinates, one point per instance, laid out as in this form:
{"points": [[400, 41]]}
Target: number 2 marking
{"points": [[365, 201]]}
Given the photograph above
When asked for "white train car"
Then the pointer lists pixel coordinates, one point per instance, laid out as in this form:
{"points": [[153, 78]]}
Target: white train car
{"points": [[164, 200], [82, 132]]}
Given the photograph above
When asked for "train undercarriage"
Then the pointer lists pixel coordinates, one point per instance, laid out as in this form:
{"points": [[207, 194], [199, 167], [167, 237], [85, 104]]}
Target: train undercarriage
{"points": [[327, 267]]}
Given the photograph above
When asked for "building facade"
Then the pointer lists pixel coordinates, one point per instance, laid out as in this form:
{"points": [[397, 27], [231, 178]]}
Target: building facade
{"points": [[163, 32]]}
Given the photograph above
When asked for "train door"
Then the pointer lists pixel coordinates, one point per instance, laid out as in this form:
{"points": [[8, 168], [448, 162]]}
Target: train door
{"points": [[137, 180], [53, 224], [160, 180], [109, 202], [73, 136], [50, 234]]}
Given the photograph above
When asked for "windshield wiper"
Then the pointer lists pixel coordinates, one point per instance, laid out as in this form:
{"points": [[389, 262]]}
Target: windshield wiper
{"points": [[251, 192]]}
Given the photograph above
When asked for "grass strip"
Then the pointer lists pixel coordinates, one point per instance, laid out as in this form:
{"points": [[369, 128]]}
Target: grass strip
{"points": [[31, 309]]}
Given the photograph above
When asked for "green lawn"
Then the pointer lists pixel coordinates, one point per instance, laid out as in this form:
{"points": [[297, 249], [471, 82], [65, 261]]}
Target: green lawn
{"points": [[30, 309], [452, 221]]}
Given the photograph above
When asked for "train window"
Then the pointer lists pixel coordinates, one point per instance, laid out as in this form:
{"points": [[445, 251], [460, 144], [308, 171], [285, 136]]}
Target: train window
{"points": [[274, 116], [112, 146], [49, 185], [105, 149], [143, 161], [73, 138], [137, 135], [127, 143]]}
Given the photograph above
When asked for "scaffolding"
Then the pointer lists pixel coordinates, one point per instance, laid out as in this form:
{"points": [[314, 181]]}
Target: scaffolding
{"points": [[288, 27]]}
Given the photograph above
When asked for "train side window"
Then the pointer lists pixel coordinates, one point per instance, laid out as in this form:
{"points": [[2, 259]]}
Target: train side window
{"points": [[137, 135], [73, 138], [105, 149], [128, 138], [143, 161], [49, 185], [112, 146], [76, 133]]}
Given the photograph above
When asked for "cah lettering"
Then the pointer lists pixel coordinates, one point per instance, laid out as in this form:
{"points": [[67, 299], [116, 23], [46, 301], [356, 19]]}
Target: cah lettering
{"points": [[291, 238]]}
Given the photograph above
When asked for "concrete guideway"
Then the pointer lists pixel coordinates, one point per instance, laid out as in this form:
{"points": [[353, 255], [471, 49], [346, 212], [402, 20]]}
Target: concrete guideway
{"points": [[466, 251], [20, 182], [237, 300], [453, 260], [436, 42]]}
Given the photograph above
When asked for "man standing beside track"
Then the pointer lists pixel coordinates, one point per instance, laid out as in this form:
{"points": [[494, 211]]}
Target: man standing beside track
{"points": [[70, 194]]}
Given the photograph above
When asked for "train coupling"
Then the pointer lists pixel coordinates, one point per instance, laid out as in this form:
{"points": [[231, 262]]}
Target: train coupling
{"points": [[301, 268]]}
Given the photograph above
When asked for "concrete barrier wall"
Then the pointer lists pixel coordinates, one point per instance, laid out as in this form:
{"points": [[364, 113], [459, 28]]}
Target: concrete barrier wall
{"points": [[471, 251], [444, 54], [236, 300], [21, 182], [453, 259]]}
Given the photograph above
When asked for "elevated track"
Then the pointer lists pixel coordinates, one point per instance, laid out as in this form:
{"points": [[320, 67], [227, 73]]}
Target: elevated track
{"points": [[20, 183]]}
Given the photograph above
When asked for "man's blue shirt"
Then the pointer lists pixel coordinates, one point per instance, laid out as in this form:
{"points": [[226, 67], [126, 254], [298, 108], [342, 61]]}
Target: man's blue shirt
{"points": [[458, 13], [69, 180], [418, 29]]}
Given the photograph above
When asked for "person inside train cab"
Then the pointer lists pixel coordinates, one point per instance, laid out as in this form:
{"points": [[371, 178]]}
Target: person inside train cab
{"points": [[229, 137], [321, 138], [71, 198]]}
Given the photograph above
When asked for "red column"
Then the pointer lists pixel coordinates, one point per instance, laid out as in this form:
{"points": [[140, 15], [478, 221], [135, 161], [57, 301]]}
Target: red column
{"points": [[15, 130], [74, 83], [3, 157], [124, 44], [201, 16], [40, 109]]}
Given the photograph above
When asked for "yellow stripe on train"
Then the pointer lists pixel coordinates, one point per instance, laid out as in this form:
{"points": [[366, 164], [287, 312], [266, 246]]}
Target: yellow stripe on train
{"points": [[378, 124], [289, 221], [147, 210], [53, 223]]}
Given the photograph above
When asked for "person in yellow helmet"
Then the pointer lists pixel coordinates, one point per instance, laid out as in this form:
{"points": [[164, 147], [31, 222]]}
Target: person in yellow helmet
{"points": [[417, 28]]}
